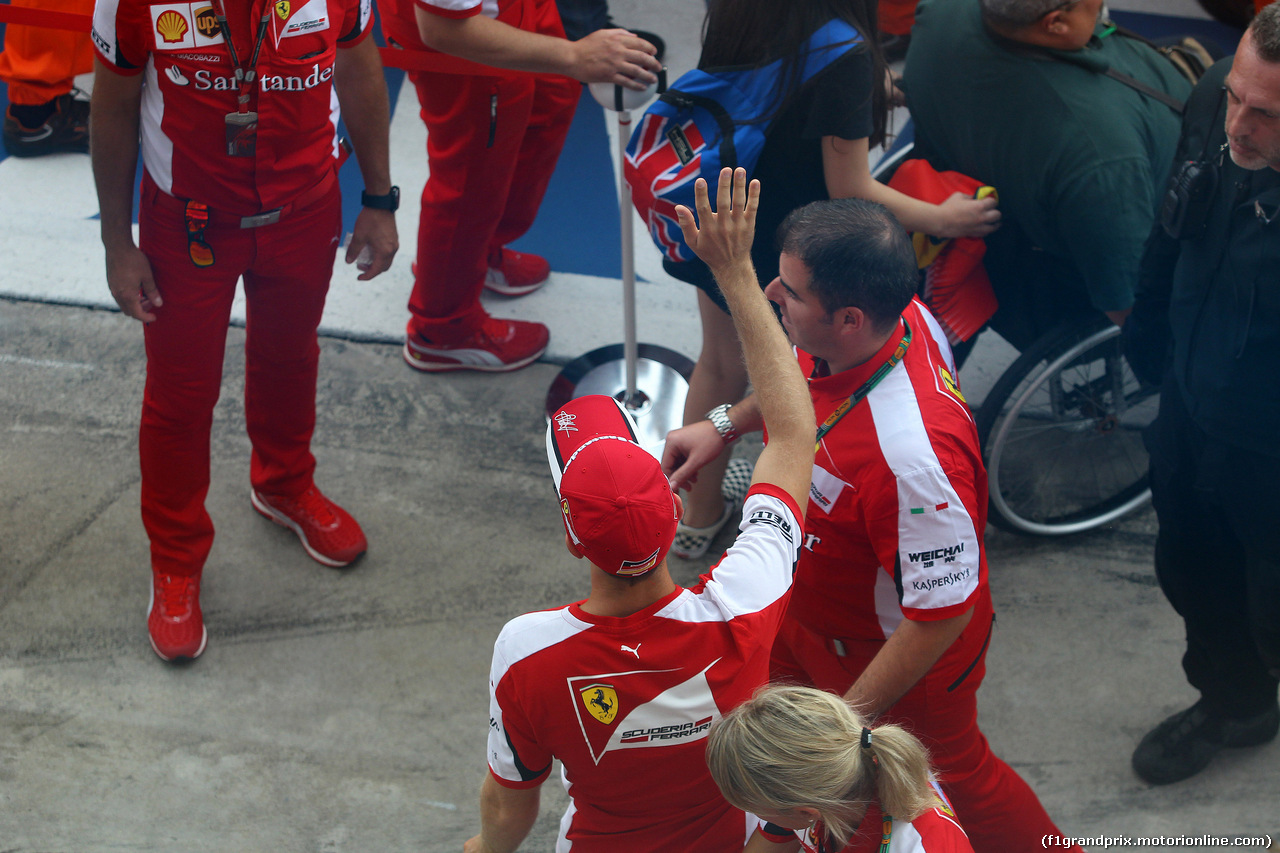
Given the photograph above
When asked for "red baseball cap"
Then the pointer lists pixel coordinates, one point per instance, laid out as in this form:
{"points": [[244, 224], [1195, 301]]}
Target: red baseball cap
{"points": [[617, 504]]}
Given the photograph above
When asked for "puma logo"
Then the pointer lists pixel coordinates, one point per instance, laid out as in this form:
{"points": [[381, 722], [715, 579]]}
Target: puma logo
{"points": [[635, 651]]}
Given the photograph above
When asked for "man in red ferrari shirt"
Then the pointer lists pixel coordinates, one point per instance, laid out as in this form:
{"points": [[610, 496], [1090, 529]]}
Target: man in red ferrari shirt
{"points": [[493, 139], [234, 103], [890, 605], [623, 686]]}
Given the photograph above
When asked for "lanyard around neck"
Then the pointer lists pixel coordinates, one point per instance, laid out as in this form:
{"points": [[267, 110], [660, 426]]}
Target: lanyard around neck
{"points": [[245, 75], [857, 396]]}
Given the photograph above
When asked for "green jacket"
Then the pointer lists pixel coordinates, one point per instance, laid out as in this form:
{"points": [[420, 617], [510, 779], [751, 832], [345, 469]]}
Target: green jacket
{"points": [[1077, 157]]}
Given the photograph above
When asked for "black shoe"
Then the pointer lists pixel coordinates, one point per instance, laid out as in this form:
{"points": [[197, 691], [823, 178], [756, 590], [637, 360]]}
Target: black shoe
{"points": [[1184, 744], [66, 129]]}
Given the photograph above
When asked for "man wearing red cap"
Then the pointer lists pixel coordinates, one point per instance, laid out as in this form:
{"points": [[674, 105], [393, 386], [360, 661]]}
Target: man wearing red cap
{"points": [[623, 686]]}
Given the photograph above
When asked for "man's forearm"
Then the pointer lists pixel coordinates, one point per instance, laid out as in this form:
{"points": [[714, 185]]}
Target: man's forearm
{"points": [[113, 149], [745, 415], [506, 816], [362, 94], [482, 39], [781, 395], [904, 659]]}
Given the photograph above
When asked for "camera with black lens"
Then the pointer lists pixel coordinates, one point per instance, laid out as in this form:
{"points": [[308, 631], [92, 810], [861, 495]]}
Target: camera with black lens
{"points": [[1187, 199]]}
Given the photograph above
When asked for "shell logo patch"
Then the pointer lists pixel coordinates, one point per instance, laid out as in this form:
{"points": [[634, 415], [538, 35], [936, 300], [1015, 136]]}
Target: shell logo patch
{"points": [[172, 27], [949, 382], [282, 9], [601, 702], [185, 26]]}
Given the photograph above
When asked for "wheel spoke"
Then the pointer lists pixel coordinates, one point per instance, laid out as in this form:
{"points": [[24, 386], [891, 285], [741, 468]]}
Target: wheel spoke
{"points": [[1061, 455]]}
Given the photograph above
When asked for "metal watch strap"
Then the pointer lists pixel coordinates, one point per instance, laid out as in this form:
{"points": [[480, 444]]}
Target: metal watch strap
{"points": [[390, 201], [719, 417]]}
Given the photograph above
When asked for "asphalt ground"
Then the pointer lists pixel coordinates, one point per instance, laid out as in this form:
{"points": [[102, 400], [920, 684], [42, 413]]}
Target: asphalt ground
{"points": [[344, 710]]}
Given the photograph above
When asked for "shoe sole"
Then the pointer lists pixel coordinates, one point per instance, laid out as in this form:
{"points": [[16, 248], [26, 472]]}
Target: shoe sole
{"points": [[513, 291], [204, 640], [445, 367], [508, 290], [285, 521]]}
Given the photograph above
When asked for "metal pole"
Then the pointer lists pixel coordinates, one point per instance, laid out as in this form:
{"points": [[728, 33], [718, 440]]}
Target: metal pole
{"points": [[629, 348]]}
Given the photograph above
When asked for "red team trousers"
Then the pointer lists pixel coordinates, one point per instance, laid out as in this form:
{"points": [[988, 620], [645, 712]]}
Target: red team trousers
{"points": [[492, 145], [997, 809], [286, 268]]}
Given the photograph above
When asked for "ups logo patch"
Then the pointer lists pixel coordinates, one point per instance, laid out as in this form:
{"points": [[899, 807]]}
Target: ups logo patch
{"points": [[601, 702]]}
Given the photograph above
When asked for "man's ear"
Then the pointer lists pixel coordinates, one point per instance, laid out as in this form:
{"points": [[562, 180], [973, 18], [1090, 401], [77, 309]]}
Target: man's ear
{"points": [[850, 320], [679, 505], [1053, 24], [573, 549]]}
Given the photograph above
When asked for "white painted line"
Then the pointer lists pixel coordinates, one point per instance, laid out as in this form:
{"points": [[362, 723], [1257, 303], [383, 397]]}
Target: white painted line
{"points": [[447, 806], [43, 362]]}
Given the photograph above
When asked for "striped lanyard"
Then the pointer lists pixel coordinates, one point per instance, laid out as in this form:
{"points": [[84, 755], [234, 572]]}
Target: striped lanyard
{"points": [[857, 396], [245, 75]]}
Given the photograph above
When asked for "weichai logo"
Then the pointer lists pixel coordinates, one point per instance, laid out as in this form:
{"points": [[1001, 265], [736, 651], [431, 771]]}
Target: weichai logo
{"points": [[172, 27], [936, 554]]}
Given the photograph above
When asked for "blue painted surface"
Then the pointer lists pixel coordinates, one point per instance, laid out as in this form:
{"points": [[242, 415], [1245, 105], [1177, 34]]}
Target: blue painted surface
{"points": [[581, 202]]}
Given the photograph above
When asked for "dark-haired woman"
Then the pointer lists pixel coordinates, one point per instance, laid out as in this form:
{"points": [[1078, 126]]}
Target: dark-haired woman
{"points": [[817, 148]]}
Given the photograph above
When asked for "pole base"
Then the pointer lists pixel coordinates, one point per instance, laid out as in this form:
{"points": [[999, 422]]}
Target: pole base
{"points": [[662, 381]]}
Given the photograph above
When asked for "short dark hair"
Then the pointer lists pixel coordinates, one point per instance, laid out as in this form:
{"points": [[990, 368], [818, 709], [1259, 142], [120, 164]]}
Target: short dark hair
{"points": [[1017, 14], [1265, 29], [857, 255]]}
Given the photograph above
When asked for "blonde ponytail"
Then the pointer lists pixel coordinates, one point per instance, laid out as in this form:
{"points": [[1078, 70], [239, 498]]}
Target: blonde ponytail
{"points": [[790, 747]]}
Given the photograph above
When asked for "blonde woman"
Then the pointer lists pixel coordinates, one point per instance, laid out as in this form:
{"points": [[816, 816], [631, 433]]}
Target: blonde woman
{"points": [[820, 780]]}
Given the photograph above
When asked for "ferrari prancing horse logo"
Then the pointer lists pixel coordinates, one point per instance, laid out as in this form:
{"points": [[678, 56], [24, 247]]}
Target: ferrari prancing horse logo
{"points": [[282, 9], [949, 383], [601, 701]]}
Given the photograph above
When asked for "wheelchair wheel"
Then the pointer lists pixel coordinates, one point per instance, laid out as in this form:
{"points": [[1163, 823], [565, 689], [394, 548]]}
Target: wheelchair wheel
{"points": [[1061, 434]]}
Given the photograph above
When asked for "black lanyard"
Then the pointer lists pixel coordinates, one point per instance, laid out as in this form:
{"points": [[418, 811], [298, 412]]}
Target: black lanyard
{"points": [[245, 76], [857, 396]]}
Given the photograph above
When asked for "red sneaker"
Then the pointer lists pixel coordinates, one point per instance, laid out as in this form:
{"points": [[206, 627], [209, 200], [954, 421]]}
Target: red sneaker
{"points": [[516, 273], [496, 347], [174, 620], [328, 532]]}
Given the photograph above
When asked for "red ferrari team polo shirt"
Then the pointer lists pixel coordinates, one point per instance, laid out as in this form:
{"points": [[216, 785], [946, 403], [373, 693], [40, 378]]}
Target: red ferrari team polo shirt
{"points": [[190, 87], [898, 502]]}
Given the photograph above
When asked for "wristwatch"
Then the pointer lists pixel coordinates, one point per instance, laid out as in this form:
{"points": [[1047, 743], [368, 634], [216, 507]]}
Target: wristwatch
{"points": [[719, 417], [390, 201]]}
